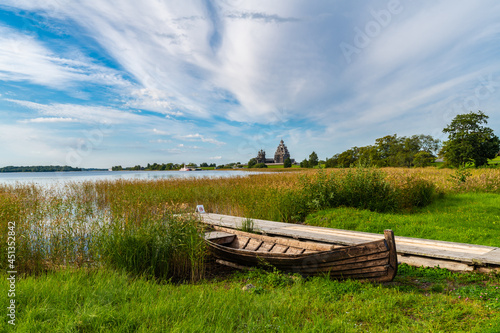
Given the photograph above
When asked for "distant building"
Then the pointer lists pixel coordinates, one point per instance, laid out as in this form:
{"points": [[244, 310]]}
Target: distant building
{"points": [[280, 155]]}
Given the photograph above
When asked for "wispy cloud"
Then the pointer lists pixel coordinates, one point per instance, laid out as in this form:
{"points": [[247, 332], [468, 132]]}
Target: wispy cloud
{"points": [[50, 120], [83, 113], [199, 137], [267, 18], [23, 58]]}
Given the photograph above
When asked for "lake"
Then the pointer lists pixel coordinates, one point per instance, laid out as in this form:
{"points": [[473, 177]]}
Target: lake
{"points": [[49, 178]]}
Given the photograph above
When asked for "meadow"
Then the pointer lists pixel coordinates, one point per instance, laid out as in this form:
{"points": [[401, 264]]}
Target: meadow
{"points": [[78, 245]]}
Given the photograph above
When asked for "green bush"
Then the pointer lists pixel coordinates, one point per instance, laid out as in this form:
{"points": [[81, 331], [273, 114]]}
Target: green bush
{"points": [[416, 193], [362, 188], [366, 189]]}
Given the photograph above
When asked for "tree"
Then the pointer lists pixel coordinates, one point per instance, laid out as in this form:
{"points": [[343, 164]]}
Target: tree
{"points": [[332, 162], [287, 163], [423, 159], [313, 160], [304, 164], [469, 141], [252, 162]]}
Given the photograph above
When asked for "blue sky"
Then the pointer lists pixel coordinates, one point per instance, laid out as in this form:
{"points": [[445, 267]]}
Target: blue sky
{"points": [[99, 83]]}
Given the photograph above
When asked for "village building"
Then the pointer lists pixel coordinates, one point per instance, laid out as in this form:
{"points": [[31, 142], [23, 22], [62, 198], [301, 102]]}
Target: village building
{"points": [[280, 155]]}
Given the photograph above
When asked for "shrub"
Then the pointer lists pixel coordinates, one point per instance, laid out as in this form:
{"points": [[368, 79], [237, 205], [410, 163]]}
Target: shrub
{"points": [[416, 193], [366, 189], [362, 188]]}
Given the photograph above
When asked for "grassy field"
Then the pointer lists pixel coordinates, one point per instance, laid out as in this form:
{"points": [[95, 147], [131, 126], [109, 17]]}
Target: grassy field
{"points": [[419, 300], [114, 256], [466, 218]]}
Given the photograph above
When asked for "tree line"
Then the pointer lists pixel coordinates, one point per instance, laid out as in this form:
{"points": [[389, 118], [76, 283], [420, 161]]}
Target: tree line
{"points": [[39, 168], [470, 143], [390, 151], [162, 167]]}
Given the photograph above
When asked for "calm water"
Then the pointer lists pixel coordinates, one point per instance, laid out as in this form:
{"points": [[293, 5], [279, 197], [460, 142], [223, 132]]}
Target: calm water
{"points": [[49, 178]]}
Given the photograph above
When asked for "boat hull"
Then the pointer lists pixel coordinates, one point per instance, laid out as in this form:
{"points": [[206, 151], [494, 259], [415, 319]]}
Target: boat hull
{"points": [[375, 260]]}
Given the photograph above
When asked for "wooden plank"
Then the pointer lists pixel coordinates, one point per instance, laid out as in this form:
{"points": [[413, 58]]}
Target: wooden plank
{"points": [[492, 257], [393, 257], [433, 262], [266, 247], [233, 265], [220, 237], [253, 244]]}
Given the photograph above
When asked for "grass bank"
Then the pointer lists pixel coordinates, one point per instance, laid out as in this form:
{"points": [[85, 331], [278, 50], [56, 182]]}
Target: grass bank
{"points": [[108, 301], [472, 218]]}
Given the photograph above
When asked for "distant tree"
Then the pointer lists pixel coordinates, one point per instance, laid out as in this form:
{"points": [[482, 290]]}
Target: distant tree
{"points": [[367, 156], [428, 143], [347, 158], [313, 160], [252, 162], [260, 165], [332, 162], [204, 165], [469, 141], [117, 168], [423, 159], [304, 163], [287, 163]]}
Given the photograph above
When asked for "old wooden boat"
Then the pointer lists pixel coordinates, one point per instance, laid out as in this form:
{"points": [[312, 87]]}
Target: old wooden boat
{"points": [[376, 260]]}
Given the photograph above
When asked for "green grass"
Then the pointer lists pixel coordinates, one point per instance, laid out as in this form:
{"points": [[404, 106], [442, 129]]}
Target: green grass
{"points": [[466, 218], [139, 236], [108, 301]]}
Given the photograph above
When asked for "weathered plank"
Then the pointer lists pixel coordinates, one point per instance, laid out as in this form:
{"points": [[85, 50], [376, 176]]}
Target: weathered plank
{"points": [[220, 237]]}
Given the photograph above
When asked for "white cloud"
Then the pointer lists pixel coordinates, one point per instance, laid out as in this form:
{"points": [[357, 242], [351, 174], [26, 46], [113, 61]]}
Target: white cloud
{"points": [[160, 141], [82, 113], [22, 143], [153, 100], [202, 138], [215, 158], [23, 58], [50, 120], [159, 132]]}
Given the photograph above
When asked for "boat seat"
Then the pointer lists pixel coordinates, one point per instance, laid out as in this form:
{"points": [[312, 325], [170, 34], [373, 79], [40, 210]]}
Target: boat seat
{"points": [[219, 237]]}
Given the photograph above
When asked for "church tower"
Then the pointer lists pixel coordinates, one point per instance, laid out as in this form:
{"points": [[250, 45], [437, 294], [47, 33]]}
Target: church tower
{"points": [[261, 156], [281, 153]]}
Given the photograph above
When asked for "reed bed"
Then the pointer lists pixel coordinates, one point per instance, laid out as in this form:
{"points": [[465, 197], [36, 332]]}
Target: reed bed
{"points": [[134, 224]]}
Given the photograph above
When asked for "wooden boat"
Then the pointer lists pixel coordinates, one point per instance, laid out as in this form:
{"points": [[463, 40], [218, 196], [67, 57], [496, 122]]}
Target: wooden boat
{"points": [[376, 261]]}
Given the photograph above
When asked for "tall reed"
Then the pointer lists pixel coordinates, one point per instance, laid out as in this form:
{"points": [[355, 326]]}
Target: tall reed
{"points": [[131, 224]]}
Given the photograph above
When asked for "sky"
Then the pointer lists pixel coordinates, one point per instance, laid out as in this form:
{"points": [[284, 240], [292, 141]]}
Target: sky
{"points": [[99, 83]]}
